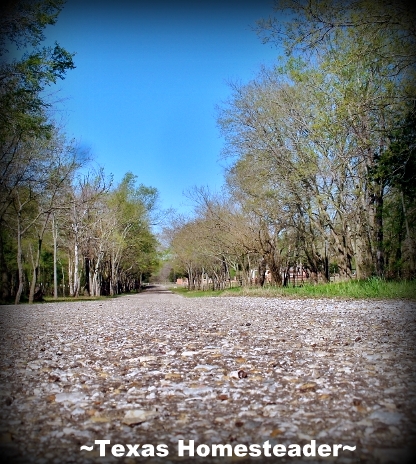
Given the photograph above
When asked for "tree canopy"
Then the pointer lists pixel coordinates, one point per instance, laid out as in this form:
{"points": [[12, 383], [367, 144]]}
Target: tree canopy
{"points": [[51, 204], [321, 145]]}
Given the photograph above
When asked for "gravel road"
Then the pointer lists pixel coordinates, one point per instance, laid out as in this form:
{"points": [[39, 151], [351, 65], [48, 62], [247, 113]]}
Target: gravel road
{"points": [[156, 373]]}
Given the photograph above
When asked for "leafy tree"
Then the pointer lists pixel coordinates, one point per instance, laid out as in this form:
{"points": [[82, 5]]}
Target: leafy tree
{"points": [[26, 69], [396, 167], [23, 78], [357, 59], [397, 164], [132, 242]]}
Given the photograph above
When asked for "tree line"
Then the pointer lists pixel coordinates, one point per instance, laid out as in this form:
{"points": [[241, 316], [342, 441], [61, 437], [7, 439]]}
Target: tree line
{"points": [[321, 173], [65, 228]]}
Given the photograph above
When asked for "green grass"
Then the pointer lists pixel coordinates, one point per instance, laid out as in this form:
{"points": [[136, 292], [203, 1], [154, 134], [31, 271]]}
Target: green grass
{"points": [[195, 293], [357, 289], [50, 299]]}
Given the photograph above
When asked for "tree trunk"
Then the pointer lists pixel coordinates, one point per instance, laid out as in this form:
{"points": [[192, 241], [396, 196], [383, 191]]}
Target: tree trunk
{"points": [[76, 277], [262, 272], [286, 275], [275, 271], [96, 281], [70, 275], [408, 249], [55, 257], [5, 284], [343, 251], [63, 281], [87, 276], [19, 261], [35, 274], [363, 259], [112, 277], [379, 232]]}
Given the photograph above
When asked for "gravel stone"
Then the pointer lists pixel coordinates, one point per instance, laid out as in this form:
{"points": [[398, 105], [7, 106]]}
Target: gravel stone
{"points": [[155, 368]]}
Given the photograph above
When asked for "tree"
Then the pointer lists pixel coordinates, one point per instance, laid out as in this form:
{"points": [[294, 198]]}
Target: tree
{"points": [[60, 167], [321, 122], [284, 168], [25, 129], [130, 208], [23, 79], [316, 155], [385, 30], [396, 167]]}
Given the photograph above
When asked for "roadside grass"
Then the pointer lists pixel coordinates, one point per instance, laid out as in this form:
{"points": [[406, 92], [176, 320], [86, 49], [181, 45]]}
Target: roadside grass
{"points": [[374, 288], [60, 299], [63, 299], [197, 293], [70, 299]]}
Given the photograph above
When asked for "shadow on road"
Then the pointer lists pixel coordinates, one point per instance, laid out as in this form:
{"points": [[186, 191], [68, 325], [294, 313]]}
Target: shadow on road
{"points": [[156, 289]]}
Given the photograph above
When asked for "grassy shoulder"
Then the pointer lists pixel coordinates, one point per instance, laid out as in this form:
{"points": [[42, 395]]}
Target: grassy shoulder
{"points": [[50, 299], [63, 299], [357, 289]]}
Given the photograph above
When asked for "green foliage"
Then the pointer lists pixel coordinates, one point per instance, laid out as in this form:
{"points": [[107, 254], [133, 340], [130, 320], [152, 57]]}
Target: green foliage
{"points": [[316, 140], [134, 246], [397, 165], [22, 105], [321, 149], [374, 288], [103, 236], [22, 22]]}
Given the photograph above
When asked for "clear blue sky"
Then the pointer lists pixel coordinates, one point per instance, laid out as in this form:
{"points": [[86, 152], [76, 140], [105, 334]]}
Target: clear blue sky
{"points": [[148, 76]]}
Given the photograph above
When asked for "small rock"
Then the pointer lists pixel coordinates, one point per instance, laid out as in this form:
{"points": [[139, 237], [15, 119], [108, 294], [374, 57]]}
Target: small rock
{"points": [[387, 417], [189, 353], [137, 416], [147, 358], [69, 397], [307, 387], [271, 410]]}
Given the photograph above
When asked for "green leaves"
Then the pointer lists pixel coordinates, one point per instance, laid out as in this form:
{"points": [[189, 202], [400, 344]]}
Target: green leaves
{"points": [[397, 164], [22, 22], [316, 139], [22, 104]]}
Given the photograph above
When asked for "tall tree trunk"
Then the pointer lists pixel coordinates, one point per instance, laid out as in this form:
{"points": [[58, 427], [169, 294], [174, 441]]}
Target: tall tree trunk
{"points": [[96, 278], [55, 257], [87, 276], [191, 278], [63, 281], [326, 263], [19, 261], [112, 277], [70, 275], [379, 201], [364, 235], [76, 278], [35, 273], [37, 260], [408, 248], [5, 283]]}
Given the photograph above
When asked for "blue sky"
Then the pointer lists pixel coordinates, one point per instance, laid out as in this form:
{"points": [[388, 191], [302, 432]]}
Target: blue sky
{"points": [[148, 77]]}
